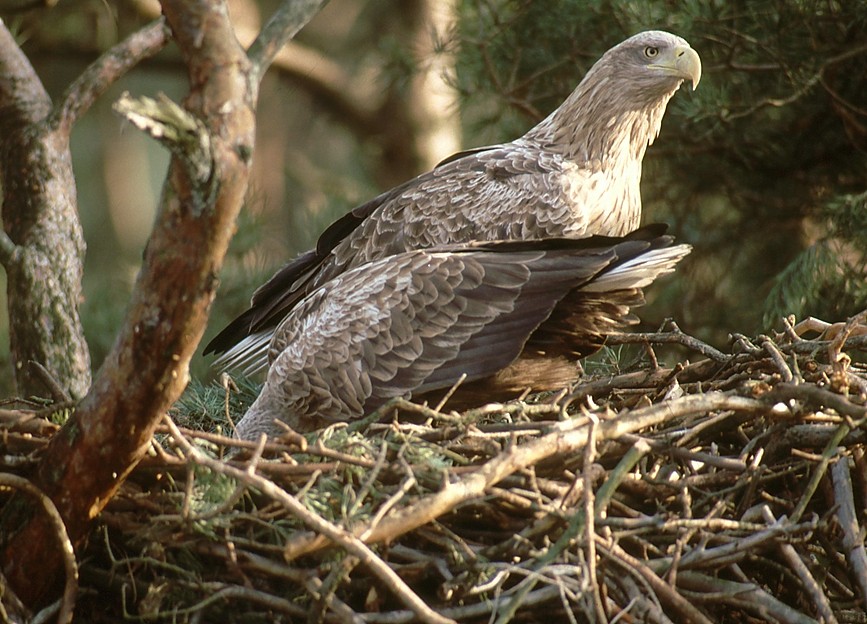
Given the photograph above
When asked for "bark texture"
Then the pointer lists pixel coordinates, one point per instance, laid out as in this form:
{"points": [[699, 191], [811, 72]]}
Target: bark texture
{"points": [[43, 251]]}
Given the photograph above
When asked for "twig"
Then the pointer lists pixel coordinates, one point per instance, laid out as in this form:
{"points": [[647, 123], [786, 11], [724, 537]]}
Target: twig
{"points": [[455, 386], [724, 463], [372, 475], [734, 550], [284, 24], [328, 589], [27, 421], [830, 451], [642, 379], [258, 563], [815, 346], [835, 354], [70, 588], [780, 362], [57, 392], [819, 397], [642, 606], [804, 87], [231, 594], [9, 251], [853, 536], [812, 436], [745, 344], [399, 403], [789, 329], [666, 593], [803, 573], [747, 595], [106, 70], [581, 520], [11, 607], [620, 472], [335, 533], [317, 449], [228, 384], [676, 524], [589, 517], [405, 486], [675, 336], [468, 612]]}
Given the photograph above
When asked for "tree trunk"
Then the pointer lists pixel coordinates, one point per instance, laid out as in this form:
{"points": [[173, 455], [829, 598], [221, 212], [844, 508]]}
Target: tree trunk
{"points": [[44, 250], [416, 125], [148, 367]]}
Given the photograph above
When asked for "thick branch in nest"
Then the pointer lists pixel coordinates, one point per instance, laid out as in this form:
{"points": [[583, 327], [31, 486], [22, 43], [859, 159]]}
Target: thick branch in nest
{"points": [[566, 438]]}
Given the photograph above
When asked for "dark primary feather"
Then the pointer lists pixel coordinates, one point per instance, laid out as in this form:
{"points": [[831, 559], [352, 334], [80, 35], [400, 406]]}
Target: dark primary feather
{"points": [[574, 174], [507, 315]]}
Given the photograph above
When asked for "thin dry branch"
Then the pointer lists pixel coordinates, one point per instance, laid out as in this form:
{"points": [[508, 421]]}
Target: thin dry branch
{"points": [[666, 594], [70, 565], [283, 26], [747, 595], [106, 70], [812, 587], [853, 535], [644, 379], [674, 336], [819, 397], [777, 357], [9, 251]]}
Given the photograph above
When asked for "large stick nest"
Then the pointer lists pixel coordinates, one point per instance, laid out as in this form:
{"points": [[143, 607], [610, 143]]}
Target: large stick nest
{"points": [[729, 489]]}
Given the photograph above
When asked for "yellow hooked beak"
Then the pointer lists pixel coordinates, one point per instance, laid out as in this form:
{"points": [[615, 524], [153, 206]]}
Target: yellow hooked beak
{"points": [[681, 61]]}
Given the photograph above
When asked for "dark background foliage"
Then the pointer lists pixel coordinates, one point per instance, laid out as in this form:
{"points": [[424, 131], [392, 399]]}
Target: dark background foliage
{"points": [[762, 168]]}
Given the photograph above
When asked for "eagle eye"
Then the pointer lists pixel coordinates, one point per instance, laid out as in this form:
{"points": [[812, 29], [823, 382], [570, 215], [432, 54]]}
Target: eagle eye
{"points": [[651, 51]]}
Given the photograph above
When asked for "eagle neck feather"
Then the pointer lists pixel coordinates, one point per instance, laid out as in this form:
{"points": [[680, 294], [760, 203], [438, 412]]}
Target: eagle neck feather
{"points": [[602, 124]]}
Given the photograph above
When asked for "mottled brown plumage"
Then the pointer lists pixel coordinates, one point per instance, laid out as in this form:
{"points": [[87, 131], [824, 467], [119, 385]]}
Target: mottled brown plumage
{"points": [[508, 315], [574, 174]]}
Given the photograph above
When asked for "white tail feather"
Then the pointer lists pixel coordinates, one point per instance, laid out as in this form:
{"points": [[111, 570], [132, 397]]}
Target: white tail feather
{"points": [[248, 357], [639, 271]]}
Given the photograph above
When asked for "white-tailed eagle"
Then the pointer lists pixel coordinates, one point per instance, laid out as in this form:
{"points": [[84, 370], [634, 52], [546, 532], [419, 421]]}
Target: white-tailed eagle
{"points": [[574, 174]]}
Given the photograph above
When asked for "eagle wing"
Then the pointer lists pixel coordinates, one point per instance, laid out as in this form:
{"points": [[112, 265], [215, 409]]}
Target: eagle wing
{"points": [[416, 322]]}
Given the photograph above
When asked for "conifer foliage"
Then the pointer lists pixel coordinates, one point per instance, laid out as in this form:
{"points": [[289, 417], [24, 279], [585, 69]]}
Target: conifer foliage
{"points": [[762, 168]]}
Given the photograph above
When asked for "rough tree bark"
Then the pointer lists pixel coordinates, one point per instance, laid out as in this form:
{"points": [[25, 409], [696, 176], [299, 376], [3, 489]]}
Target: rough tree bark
{"points": [[42, 248], [147, 369]]}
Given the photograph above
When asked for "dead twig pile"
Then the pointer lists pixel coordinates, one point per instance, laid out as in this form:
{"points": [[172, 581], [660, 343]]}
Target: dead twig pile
{"points": [[729, 489]]}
